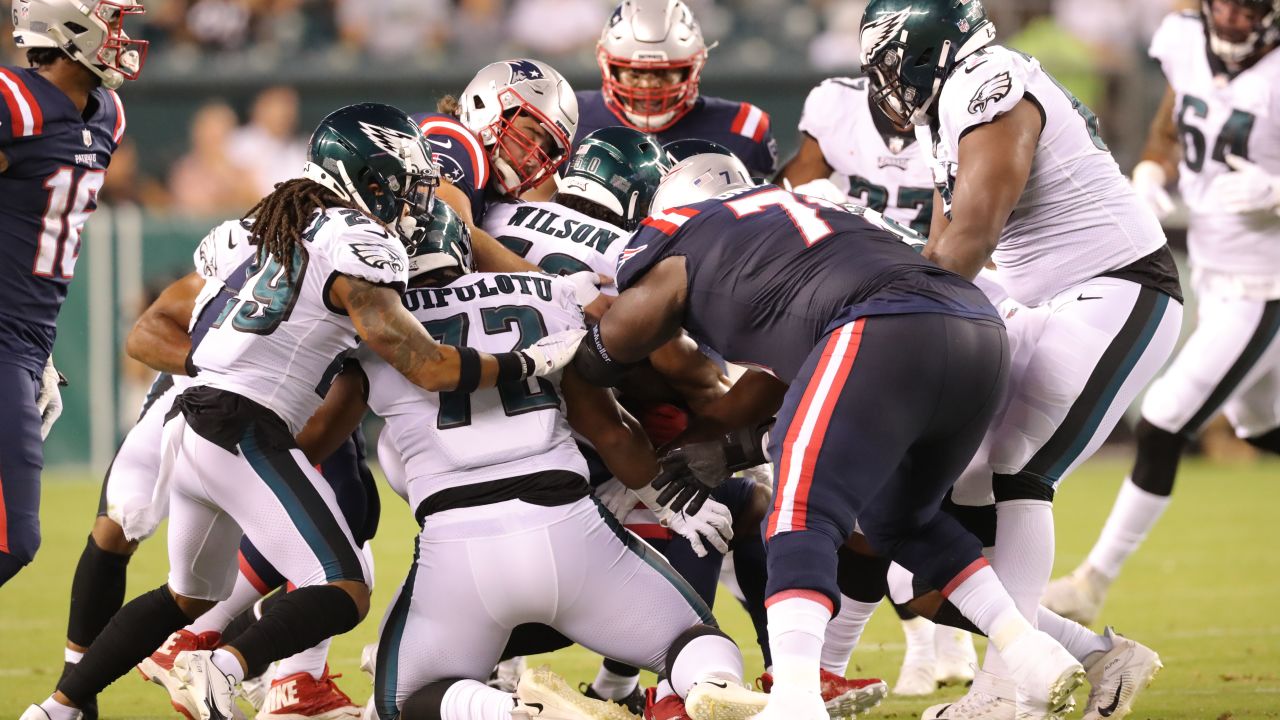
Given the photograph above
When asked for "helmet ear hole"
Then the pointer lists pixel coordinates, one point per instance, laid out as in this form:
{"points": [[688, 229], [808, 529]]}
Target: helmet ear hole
{"points": [[926, 58]]}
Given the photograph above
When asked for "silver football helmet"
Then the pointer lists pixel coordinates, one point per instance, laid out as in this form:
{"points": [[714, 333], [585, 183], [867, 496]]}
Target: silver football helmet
{"points": [[698, 178], [91, 32], [497, 97], [657, 46]]}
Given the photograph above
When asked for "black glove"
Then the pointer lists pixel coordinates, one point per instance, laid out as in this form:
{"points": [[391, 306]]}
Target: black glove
{"points": [[690, 472]]}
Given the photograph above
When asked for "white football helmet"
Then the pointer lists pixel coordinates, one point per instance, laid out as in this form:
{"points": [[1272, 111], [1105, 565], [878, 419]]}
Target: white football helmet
{"points": [[91, 32], [652, 35], [499, 94], [697, 178], [1234, 50]]}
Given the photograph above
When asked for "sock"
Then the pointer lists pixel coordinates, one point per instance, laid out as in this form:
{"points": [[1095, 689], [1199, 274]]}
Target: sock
{"points": [[905, 613], [1132, 517], [920, 648], [229, 664], [299, 620], [1024, 552], [1079, 640], [457, 700], [71, 656], [797, 627], [1269, 441], [311, 661], [843, 633], [750, 569], [57, 711], [243, 595], [982, 599], [699, 653], [97, 592], [615, 680], [134, 633]]}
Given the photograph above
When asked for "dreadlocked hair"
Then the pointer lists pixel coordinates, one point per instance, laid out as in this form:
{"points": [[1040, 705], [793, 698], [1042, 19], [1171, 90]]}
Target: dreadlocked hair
{"points": [[279, 219]]}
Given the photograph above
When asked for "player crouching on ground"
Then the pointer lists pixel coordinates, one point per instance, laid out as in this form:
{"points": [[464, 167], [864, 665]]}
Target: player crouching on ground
{"points": [[509, 524]]}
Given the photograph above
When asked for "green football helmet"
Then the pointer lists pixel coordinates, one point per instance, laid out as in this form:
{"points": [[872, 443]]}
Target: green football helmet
{"points": [[443, 242], [619, 169], [373, 156], [909, 47]]}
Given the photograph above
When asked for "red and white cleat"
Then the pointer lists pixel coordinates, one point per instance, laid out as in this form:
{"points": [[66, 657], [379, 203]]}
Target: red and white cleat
{"points": [[160, 662], [670, 707], [844, 697], [302, 697]]}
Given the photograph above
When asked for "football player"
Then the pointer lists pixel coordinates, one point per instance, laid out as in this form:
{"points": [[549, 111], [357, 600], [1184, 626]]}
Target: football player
{"points": [[500, 489], [1218, 135], [838, 309], [1024, 179], [328, 273], [849, 149], [60, 122], [651, 54]]}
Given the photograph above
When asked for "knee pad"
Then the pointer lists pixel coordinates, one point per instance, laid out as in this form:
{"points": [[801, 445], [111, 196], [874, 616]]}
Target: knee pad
{"points": [[1159, 452]]}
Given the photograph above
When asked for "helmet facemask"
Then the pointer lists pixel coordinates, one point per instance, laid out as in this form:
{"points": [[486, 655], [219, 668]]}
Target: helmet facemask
{"points": [[903, 103], [1236, 48], [656, 108], [90, 33], [539, 157], [119, 52]]}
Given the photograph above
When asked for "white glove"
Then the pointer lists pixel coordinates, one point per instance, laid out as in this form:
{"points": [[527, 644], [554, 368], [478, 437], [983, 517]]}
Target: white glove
{"points": [[49, 399], [1149, 179], [586, 286], [616, 498], [760, 474], [554, 351], [823, 189], [1249, 189], [713, 523]]}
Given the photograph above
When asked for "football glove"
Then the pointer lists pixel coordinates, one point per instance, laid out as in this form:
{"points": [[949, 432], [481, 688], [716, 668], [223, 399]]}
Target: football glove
{"points": [[690, 472], [616, 498], [712, 523], [553, 352], [823, 189], [1149, 180], [1249, 189], [49, 399]]}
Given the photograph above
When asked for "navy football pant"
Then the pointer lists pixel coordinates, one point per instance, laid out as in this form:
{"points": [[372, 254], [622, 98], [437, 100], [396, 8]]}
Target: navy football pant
{"points": [[21, 460], [880, 421]]}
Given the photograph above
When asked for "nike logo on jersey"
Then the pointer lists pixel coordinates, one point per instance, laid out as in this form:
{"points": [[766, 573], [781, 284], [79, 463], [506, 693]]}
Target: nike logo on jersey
{"points": [[1088, 297], [970, 69], [1115, 701]]}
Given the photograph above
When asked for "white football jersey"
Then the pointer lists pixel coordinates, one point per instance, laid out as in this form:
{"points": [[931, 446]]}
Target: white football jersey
{"points": [[274, 341], [452, 439], [1219, 116], [1078, 217], [557, 239], [890, 176]]}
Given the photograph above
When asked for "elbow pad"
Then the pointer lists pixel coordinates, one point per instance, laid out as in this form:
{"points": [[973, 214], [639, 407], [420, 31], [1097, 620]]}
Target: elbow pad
{"points": [[595, 365]]}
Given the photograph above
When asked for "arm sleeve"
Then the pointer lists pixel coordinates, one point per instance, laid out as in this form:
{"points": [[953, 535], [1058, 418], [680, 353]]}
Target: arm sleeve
{"points": [[372, 254], [984, 87]]}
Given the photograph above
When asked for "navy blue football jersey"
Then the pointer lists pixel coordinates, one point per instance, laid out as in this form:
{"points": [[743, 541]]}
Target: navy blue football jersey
{"points": [[771, 272], [739, 126], [57, 162], [461, 157]]}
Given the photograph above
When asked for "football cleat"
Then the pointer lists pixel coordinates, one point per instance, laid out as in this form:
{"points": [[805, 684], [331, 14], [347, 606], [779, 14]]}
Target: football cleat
{"points": [[543, 695], [670, 707], [990, 698], [1044, 671], [844, 697], [1117, 676], [955, 656], [203, 692], [301, 697], [506, 674], [635, 701], [255, 689], [1077, 596], [916, 678], [161, 661], [719, 699], [35, 712]]}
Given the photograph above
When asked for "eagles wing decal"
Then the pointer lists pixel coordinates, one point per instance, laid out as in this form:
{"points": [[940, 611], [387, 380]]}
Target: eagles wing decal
{"points": [[387, 139], [993, 90], [881, 31], [379, 257]]}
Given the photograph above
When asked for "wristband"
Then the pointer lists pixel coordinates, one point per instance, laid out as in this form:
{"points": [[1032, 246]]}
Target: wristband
{"points": [[512, 367], [468, 370], [746, 448], [594, 363]]}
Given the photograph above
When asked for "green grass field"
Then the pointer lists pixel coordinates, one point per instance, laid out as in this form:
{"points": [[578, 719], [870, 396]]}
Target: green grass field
{"points": [[1203, 591]]}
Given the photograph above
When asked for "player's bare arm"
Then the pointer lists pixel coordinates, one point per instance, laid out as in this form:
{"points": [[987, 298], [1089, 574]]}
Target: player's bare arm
{"points": [[596, 415], [491, 255], [753, 399], [338, 416], [646, 315], [159, 338], [994, 165], [807, 164], [1162, 139], [697, 379], [939, 221]]}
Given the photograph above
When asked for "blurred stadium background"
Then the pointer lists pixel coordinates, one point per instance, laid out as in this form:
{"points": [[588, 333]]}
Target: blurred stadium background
{"points": [[231, 87]]}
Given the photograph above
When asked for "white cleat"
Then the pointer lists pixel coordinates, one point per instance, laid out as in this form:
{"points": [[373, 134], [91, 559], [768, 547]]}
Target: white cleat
{"points": [[719, 699], [990, 698], [956, 656], [1077, 596], [255, 689], [544, 695], [1045, 674], [793, 706], [35, 712], [916, 678], [203, 691], [1117, 676], [919, 663]]}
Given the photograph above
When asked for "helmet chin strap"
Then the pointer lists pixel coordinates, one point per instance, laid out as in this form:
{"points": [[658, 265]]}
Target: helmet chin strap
{"points": [[920, 116], [320, 176]]}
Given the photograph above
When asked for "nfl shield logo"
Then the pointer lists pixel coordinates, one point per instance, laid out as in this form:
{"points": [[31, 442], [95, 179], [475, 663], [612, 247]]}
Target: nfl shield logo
{"points": [[88, 138], [963, 25]]}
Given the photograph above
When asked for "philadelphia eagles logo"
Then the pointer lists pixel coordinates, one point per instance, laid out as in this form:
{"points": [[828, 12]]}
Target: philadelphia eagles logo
{"points": [[991, 91], [881, 31], [389, 140], [377, 256]]}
